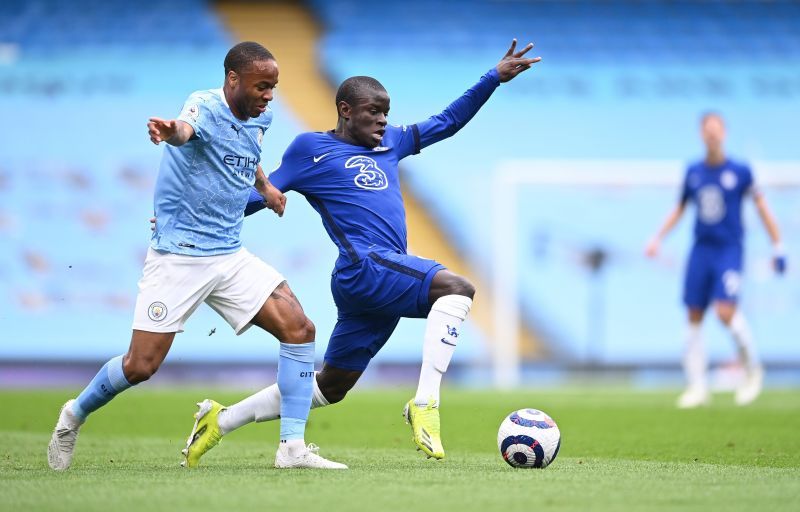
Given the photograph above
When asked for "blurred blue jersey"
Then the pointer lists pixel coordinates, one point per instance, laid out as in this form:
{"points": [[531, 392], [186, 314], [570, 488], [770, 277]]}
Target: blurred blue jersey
{"points": [[203, 186], [356, 189], [718, 193]]}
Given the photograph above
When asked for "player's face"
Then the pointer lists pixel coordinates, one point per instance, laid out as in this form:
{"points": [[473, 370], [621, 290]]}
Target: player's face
{"points": [[367, 119], [713, 132], [252, 89]]}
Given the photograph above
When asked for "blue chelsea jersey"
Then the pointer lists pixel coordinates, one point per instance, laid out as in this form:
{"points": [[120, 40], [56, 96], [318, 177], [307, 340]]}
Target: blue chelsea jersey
{"points": [[203, 186], [718, 192], [356, 189]]}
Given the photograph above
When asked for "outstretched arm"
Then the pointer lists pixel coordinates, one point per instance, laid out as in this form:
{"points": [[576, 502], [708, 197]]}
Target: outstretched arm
{"points": [[459, 113], [651, 250], [174, 132], [779, 258]]}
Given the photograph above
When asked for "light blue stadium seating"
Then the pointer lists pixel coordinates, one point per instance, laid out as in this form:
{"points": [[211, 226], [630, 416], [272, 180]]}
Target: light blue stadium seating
{"points": [[619, 79]]}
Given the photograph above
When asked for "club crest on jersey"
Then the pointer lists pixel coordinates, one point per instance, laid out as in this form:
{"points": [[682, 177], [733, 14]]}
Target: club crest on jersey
{"points": [[728, 179], [193, 112], [260, 135], [157, 311], [370, 176]]}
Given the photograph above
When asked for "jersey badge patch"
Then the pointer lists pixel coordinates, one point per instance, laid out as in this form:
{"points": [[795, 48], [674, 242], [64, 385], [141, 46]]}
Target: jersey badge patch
{"points": [[157, 311], [728, 179]]}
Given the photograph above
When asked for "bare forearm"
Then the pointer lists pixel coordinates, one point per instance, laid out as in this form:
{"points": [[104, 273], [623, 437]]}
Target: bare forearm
{"points": [[670, 222], [262, 182], [769, 221], [183, 133]]}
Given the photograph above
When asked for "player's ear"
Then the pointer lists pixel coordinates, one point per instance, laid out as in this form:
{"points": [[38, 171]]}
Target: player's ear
{"points": [[344, 109], [232, 78]]}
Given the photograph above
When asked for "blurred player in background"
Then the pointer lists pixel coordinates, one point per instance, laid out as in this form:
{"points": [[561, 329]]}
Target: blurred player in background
{"points": [[350, 177], [209, 167], [717, 186]]}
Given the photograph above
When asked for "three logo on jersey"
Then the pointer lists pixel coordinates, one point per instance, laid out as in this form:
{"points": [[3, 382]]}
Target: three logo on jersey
{"points": [[370, 176]]}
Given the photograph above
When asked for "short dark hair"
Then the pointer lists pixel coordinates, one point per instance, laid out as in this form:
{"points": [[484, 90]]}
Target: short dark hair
{"points": [[356, 87], [709, 114], [241, 55]]}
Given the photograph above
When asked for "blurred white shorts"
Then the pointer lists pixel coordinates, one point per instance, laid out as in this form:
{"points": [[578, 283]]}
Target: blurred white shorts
{"points": [[173, 286]]}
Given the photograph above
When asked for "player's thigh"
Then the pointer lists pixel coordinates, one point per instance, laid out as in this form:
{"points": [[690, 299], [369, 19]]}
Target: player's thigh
{"points": [[386, 284], [698, 282], [245, 290], [171, 288], [356, 339], [728, 274]]}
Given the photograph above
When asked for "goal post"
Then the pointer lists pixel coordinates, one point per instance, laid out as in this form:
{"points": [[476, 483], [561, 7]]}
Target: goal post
{"points": [[510, 176]]}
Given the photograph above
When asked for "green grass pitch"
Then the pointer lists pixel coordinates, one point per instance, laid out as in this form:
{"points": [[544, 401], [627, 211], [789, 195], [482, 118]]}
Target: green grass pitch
{"points": [[621, 450]]}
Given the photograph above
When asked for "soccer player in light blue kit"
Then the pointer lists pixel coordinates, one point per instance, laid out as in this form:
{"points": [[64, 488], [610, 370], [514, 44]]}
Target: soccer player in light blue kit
{"points": [[717, 186], [209, 167], [350, 177]]}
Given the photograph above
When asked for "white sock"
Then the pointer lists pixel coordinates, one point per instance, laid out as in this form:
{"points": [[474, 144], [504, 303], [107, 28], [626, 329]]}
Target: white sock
{"points": [[740, 331], [441, 337], [694, 360], [262, 406], [293, 447]]}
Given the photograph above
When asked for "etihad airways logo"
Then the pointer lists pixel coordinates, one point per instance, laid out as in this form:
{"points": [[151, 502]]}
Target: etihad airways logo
{"points": [[240, 161]]}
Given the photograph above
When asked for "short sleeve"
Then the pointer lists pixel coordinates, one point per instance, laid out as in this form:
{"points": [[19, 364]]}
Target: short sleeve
{"points": [[686, 192], [197, 113], [749, 186], [285, 177]]}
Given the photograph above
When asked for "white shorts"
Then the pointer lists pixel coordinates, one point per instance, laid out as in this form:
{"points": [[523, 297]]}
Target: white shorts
{"points": [[173, 286]]}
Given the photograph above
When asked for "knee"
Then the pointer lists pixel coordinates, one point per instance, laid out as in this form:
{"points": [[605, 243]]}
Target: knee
{"points": [[138, 370], [334, 392], [725, 313], [334, 384], [300, 331]]}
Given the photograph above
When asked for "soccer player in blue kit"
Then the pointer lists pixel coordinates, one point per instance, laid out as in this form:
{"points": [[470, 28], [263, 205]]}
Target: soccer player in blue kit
{"points": [[350, 177], [717, 186], [208, 169]]}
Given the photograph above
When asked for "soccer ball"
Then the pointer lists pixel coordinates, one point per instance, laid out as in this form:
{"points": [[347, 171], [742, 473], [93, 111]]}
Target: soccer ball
{"points": [[529, 438]]}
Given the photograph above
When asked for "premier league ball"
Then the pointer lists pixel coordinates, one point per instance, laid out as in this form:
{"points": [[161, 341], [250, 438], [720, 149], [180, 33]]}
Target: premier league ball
{"points": [[529, 438]]}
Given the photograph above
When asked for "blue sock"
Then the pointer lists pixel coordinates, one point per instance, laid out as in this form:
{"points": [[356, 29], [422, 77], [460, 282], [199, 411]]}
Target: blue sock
{"points": [[295, 382], [108, 382]]}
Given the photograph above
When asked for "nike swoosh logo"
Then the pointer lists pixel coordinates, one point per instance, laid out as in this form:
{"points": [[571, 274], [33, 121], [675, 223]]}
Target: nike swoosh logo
{"points": [[320, 157]]}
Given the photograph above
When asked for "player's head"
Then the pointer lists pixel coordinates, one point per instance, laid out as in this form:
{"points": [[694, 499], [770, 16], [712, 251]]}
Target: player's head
{"points": [[251, 74], [712, 129], [363, 104]]}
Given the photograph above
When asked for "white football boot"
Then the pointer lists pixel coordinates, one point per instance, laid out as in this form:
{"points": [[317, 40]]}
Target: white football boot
{"points": [[62, 443], [751, 386], [694, 396], [309, 458]]}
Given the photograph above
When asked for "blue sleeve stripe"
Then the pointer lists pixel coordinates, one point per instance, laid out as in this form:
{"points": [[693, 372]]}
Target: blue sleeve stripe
{"points": [[415, 132]]}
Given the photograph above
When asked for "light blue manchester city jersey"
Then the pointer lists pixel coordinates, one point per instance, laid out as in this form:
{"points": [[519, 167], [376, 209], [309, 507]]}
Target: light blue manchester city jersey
{"points": [[203, 186]]}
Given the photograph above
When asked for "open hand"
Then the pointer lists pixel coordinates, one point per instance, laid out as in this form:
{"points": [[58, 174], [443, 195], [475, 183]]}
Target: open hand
{"points": [[161, 129], [513, 63], [652, 247]]}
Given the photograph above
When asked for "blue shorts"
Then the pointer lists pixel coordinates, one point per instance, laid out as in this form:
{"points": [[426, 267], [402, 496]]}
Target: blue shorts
{"points": [[713, 273], [371, 297]]}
